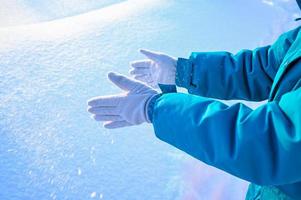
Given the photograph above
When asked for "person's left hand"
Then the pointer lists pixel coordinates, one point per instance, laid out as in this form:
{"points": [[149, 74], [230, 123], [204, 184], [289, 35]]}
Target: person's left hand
{"points": [[126, 109]]}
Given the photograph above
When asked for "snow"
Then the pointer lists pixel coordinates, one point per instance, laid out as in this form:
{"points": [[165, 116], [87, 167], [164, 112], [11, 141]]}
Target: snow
{"points": [[93, 195], [52, 61], [18, 12]]}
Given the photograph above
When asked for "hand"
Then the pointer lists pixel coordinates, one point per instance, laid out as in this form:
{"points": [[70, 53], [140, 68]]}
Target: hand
{"points": [[126, 109], [159, 68]]}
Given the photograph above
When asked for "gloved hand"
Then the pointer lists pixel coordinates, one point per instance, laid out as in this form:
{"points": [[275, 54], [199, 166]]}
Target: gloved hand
{"points": [[159, 68], [126, 109]]}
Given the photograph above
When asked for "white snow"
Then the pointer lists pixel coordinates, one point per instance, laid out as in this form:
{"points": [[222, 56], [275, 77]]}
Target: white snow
{"points": [[18, 12], [79, 171], [93, 195]]}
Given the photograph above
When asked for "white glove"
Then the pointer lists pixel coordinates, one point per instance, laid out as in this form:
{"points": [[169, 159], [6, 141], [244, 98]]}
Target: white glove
{"points": [[126, 109], [159, 68]]}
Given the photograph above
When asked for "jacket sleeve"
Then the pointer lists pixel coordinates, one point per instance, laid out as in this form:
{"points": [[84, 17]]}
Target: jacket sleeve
{"points": [[261, 146], [248, 75]]}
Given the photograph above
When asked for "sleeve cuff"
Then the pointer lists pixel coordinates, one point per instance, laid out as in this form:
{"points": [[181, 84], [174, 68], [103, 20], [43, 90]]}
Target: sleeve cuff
{"points": [[183, 72], [168, 88]]}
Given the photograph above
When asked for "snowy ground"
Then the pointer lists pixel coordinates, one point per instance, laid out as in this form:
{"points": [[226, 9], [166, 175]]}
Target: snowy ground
{"points": [[55, 55]]}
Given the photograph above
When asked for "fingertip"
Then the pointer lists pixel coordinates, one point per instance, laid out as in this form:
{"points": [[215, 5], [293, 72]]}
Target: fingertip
{"points": [[108, 125], [133, 63], [143, 51], [131, 71], [90, 102], [111, 74], [152, 55], [95, 117], [88, 109], [114, 77]]}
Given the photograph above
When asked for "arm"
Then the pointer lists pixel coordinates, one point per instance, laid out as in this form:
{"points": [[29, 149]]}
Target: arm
{"points": [[260, 145], [247, 75]]}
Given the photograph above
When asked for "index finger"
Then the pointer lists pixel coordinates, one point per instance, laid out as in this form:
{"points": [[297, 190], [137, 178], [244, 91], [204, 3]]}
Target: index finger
{"points": [[99, 101]]}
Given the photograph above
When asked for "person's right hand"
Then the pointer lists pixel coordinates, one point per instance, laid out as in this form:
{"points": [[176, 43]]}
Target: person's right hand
{"points": [[125, 109], [159, 68]]}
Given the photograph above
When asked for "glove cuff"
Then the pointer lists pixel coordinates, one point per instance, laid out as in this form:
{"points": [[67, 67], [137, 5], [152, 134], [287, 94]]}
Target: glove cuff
{"points": [[149, 107]]}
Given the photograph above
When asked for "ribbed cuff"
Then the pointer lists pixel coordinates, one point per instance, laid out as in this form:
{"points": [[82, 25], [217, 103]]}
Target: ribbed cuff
{"points": [[150, 107], [183, 72]]}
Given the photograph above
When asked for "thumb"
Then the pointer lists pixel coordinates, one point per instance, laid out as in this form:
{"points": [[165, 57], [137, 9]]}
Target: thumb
{"points": [[152, 55], [123, 82]]}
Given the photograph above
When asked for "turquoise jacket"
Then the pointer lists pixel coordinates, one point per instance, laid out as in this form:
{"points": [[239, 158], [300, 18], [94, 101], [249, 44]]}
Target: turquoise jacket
{"points": [[261, 146]]}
